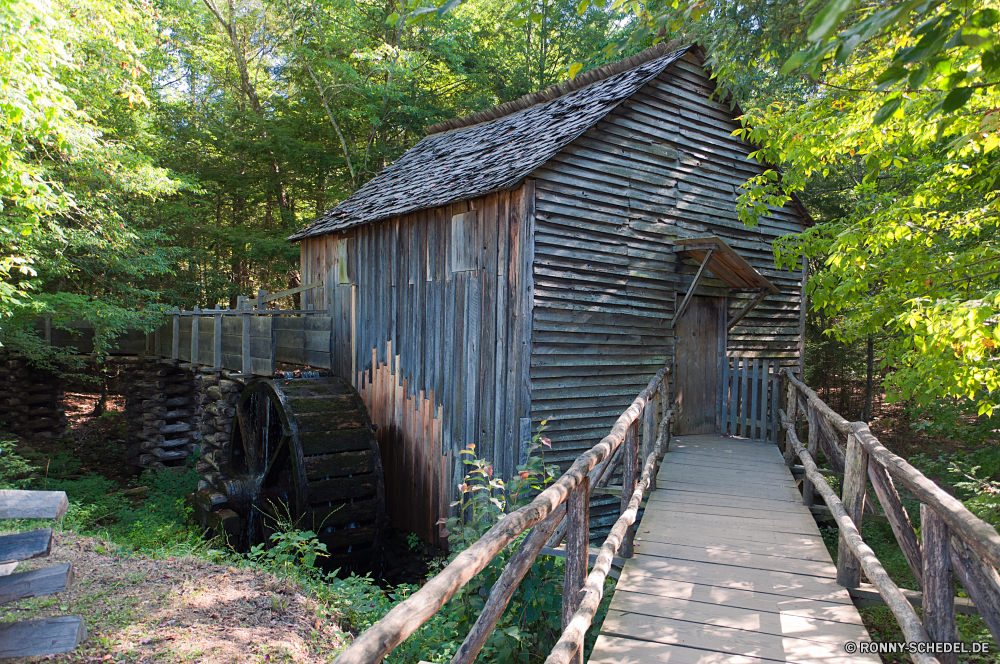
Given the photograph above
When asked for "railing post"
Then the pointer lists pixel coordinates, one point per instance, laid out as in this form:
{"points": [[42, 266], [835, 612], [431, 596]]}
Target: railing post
{"points": [[244, 305], [217, 342], [577, 555], [649, 425], [175, 344], [853, 498], [659, 399], [939, 584], [630, 476], [812, 446], [791, 408], [194, 335]]}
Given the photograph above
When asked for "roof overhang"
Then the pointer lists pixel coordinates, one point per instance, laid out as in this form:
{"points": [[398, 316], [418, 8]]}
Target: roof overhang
{"points": [[724, 263]]}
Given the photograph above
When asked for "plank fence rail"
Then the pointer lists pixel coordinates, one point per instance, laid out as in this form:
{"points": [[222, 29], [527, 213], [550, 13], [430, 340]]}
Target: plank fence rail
{"points": [[954, 543], [568, 498]]}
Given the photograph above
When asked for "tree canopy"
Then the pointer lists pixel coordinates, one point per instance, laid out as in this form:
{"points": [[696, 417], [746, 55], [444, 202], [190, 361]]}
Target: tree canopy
{"points": [[159, 152]]}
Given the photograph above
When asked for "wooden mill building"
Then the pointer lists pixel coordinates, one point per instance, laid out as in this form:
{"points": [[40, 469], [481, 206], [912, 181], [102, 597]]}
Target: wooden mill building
{"points": [[528, 262]]}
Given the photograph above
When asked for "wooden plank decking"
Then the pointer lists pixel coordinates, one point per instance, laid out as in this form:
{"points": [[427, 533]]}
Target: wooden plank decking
{"points": [[729, 566]]}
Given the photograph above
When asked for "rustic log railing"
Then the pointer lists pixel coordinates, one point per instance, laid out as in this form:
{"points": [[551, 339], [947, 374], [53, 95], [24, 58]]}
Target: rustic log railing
{"points": [[954, 542], [569, 498]]}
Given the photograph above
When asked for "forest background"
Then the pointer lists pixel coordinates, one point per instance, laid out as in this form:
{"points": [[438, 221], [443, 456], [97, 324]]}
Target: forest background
{"points": [[159, 152]]}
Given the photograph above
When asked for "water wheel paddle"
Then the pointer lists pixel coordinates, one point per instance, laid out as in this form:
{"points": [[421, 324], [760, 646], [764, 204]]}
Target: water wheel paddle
{"points": [[304, 450]]}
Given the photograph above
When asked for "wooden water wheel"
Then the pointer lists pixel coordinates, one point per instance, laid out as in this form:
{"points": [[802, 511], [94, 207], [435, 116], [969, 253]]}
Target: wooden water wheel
{"points": [[304, 451]]}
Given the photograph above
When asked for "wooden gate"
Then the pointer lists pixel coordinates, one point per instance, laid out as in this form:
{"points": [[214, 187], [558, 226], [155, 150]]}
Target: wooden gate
{"points": [[748, 396]]}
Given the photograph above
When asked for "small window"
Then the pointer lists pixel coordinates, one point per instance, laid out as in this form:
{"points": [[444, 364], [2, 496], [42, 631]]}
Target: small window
{"points": [[464, 242], [345, 268]]}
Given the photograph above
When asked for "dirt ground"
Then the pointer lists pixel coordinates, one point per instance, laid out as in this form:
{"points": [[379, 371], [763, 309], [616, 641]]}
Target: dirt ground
{"points": [[140, 610]]}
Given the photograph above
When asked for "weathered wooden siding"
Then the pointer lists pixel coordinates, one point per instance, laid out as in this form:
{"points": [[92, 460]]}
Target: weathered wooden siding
{"points": [[436, 354], [661, 166]]}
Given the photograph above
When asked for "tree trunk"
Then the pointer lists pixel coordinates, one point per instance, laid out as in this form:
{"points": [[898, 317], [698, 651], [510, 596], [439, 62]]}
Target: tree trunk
{"points": [[250, 93]]}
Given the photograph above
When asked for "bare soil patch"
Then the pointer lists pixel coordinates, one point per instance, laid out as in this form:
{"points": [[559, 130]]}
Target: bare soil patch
{"points": [[139, 610]]}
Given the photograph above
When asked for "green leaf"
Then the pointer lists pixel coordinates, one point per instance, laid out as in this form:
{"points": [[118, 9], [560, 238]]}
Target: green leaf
{"points": [[918, 76], [890, 77], [847, 47], [448, 6], [887, 110], [985, 18], [582, 7], [794, 62], [827, 20], [973, 40], [990, 60], [956, 99]]}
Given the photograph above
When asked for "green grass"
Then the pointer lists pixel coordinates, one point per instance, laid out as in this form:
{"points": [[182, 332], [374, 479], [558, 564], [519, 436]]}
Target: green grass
{"points": [[155, 523]]}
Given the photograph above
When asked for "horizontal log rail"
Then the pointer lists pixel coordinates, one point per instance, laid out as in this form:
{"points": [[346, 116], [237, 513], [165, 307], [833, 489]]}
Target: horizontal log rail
{"points": [[567, 496], [954, 543], [890, 592], [570, 643]]}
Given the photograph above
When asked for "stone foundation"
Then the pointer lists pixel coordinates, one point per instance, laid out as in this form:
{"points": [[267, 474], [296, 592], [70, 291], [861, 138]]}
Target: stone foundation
{"points": [[218, 398]]}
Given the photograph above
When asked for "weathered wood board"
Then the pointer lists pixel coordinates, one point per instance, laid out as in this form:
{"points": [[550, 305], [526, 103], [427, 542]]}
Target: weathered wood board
{"points": [[32, 504], [48, 636], [23, 546], [44, 581]]}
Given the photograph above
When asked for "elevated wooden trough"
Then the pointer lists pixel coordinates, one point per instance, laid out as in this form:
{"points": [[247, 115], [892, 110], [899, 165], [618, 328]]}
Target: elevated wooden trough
{"points": [[251, 339]]}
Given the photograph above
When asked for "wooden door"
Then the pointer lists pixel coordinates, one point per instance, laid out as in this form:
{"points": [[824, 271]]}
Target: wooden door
{"points": [[699, 340]]}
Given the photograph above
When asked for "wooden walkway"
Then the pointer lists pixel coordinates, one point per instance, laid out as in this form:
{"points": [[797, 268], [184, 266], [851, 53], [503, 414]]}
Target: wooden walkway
{"points": [[729, 566]]}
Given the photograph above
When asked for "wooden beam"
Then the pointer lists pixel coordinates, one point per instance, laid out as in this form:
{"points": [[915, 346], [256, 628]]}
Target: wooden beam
{"points": [[504, 588], [49, 636], [981, 582], [38, 582], [175, 343], [32, 504], [292, 291], [630, 476], [195, 341], [866, 595], [824, 513], [696, 247], [899, 519], [22, 546], [577, 548], [761, 294], [694, 284], [855, 482], [246, 364], [939, 584], [217, 341]]}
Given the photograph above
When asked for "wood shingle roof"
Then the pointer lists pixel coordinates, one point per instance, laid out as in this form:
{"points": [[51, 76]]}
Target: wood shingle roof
{"points": [[475, 160]]}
